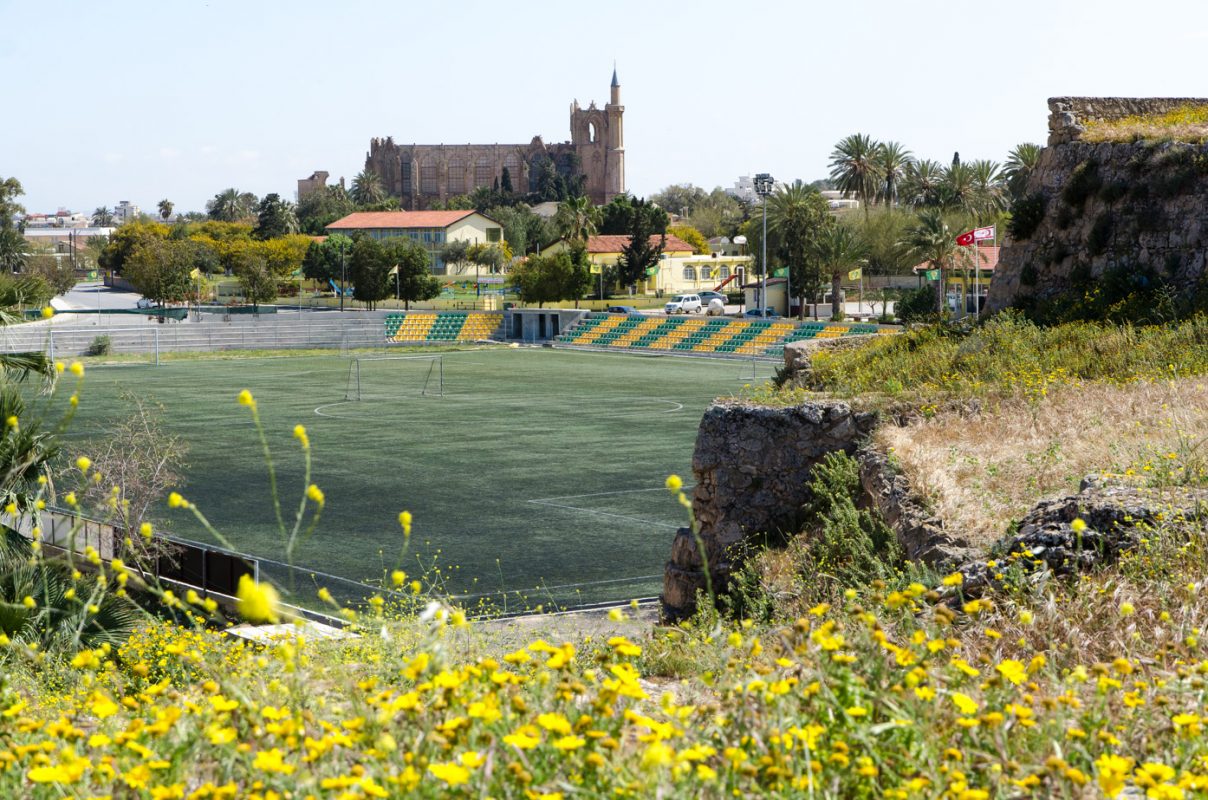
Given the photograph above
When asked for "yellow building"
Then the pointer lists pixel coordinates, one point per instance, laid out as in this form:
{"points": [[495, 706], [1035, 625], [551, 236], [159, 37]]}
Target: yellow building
{"points": [[432, 229], [680, 269]]}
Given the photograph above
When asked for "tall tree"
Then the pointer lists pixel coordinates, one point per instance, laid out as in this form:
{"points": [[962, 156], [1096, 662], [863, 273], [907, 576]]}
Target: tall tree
{"points": [[165, 209], [275, 218], [923, 184], [367, 188], [320, 208], [797, 214], [933, 241], [988, 189], [839, 249], [369, 270], [456, 253], [547, 279], [102, 217], [892, 160], [231, 205], [680, 198], [12, 243], [959, 191], [257, 282], [159, 269], [1020, 163], [855, 168], [524, 231], [327, 260], [577, 219], [643, 249], [415, 279]]}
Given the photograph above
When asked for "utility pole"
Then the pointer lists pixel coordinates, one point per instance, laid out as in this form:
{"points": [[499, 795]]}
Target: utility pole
{"points": [[763, 188]]}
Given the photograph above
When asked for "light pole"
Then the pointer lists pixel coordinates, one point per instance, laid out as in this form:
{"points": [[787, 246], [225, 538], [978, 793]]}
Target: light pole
{"points": [[343, 276], [763, 188]]}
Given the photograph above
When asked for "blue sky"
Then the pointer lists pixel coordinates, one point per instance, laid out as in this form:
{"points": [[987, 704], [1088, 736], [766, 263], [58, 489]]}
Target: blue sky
{"points": [[180, 99]]}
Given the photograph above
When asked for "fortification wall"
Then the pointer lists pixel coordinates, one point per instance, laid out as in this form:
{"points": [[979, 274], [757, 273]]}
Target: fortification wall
{"points": [[1107, 215], [1068, 116]]}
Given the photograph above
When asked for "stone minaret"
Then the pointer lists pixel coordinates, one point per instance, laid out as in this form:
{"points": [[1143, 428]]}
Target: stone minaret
{"points": [[614, 180]]}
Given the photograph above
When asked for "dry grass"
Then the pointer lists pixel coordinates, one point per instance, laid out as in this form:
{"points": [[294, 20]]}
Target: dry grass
{"points": [[981, 473], [1188, 123]]}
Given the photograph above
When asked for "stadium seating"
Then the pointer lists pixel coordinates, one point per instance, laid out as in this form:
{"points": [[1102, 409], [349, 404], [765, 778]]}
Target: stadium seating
{"points": [[724, 335], [442, 326]]}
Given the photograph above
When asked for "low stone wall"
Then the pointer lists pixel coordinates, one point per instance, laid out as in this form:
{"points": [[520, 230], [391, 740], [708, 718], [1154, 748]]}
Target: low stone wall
{"points": [[920, 533], [752, 467], [1068, 116]]}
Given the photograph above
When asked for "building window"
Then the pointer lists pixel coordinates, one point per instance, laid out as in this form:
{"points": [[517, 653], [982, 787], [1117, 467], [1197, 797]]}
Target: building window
{"points": [[406, 177], [427, 180], [439, 235], [484, 172], [723, 272], [689, 273], [494, 234], [457, 177]]}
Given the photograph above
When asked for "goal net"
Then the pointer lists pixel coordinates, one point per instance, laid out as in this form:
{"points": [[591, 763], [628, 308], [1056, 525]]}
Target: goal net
{"points": [[386, 377]]}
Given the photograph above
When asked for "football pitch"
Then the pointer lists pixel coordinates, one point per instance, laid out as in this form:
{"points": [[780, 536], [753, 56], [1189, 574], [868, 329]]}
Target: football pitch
{"points": [[535, 478]]}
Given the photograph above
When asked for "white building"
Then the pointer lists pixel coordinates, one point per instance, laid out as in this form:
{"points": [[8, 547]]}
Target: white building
{"points": [[126, 211]]}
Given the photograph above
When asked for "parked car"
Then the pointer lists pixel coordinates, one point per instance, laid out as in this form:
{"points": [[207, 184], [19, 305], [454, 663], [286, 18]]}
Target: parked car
{"points": [[143, 302], [761, 312], [705, 297], [622, 310], [685, 304]]}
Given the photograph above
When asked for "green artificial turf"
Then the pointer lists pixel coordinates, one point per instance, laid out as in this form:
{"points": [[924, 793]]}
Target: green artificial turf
{"points": [[539, 472]]}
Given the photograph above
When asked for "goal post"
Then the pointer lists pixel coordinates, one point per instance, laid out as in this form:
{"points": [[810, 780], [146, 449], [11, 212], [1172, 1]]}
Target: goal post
{"points": [[372, 377]]}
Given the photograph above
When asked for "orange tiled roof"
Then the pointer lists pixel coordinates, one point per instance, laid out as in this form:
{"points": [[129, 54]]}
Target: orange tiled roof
{"points": [[615, 243], [362, 220]]}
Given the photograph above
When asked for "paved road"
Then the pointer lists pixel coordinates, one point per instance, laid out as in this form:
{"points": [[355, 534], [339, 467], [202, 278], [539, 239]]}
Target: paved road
{"points": [[94, 294]]}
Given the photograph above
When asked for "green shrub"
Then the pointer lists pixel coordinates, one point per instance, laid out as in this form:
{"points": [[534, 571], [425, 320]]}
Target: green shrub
{"points": [[1113, 191], [1083, 182], [1026, 215], [101, 346], [1100, 235], [839, 545], [917, 305], [1065, 217]]}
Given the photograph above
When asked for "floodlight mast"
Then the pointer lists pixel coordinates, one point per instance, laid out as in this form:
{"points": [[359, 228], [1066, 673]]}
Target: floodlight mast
{"points": [[763, 188]]}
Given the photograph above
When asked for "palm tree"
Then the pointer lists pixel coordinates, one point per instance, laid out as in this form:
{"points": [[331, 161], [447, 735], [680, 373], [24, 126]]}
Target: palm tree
{"points": [[988, 196], [165, 209], [367, 188], [958, 190], [102, 217], [231, 205], [855, 168], [60, 620], [577, 219], [893, 161], [931, 240], [922, 186], [839, 249], [1020, 163], [796, 214]]}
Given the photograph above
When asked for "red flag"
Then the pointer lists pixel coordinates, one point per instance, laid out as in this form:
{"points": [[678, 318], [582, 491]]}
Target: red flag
{"points": [[967, 238]]}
